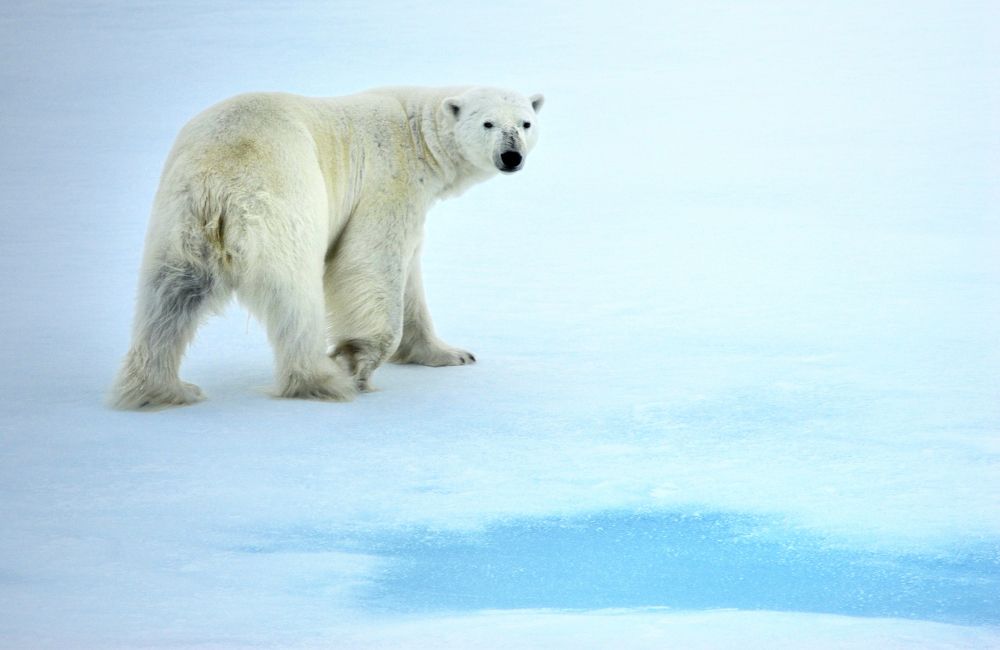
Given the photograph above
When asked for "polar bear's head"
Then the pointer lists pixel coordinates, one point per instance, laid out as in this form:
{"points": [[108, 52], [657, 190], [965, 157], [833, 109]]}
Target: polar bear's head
{"points": [[494, 128]]}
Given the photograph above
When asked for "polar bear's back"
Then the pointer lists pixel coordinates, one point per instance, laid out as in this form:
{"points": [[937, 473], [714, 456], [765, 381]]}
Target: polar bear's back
{"points": [[241, 136], [245, 138]]}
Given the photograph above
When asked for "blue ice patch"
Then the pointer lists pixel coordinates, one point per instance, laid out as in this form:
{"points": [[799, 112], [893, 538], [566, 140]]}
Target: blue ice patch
{"points": [[681, 561]]}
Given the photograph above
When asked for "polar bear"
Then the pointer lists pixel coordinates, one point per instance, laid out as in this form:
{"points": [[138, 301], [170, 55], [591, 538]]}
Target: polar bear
{"points": [[311, 211]]}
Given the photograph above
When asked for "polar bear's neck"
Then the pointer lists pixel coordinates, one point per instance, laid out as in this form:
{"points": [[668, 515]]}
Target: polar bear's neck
{"points": [[434, 140]]}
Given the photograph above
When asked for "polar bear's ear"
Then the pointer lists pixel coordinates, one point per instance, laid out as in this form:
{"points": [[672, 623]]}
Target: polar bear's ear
{"points": [[453, 105], [536, 101]]}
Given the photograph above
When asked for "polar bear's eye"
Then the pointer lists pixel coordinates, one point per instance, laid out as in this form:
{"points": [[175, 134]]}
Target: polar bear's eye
{"points": [[488, 125], [527, 125]]}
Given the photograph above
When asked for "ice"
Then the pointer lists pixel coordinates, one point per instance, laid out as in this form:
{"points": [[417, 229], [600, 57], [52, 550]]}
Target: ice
{"points": [[736, 326]]}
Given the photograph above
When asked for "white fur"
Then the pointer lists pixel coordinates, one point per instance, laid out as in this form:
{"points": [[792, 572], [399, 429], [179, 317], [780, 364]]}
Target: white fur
{"points": [[312, 212]]}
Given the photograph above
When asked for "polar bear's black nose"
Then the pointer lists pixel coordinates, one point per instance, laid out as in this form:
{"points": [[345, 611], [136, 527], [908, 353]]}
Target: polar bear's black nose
{"points": [[510, 159]]}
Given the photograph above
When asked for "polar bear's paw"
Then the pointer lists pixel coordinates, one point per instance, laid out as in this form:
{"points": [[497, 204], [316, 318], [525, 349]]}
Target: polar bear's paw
{"points": [[332, 385], [141, 396], [435, 354], [360, 358]]}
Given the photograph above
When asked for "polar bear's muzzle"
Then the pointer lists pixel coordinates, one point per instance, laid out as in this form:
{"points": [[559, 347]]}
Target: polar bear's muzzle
{"points": [[510, 161], [510, 151]]}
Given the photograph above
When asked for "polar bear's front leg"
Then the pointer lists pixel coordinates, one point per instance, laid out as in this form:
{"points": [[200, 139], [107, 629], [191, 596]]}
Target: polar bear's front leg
{"points": [[419, 344], [364, 299]]}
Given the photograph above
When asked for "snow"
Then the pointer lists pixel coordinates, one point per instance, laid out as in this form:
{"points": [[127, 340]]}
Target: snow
{"points": [[736, 326]]}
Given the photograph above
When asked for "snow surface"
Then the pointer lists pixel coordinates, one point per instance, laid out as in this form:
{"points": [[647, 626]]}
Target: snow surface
{"points": [[737, 323]]}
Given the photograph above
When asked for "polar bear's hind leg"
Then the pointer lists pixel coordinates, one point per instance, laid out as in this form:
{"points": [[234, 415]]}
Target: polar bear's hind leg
{"points": [[281, 283], [291, 309], [173, 298]]}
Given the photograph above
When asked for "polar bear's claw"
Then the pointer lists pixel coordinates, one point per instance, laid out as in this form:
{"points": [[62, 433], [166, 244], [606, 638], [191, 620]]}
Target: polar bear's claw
{"points": [[436, 355]]}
